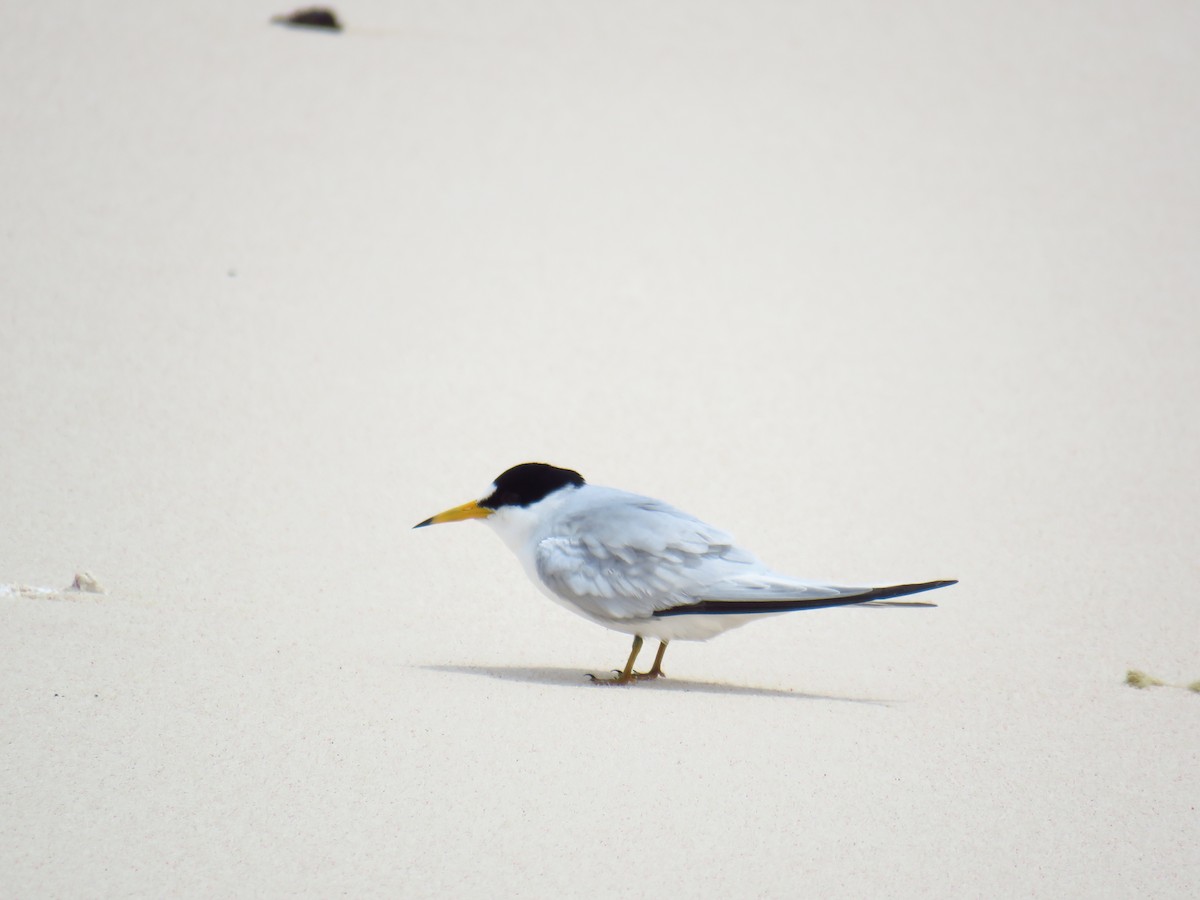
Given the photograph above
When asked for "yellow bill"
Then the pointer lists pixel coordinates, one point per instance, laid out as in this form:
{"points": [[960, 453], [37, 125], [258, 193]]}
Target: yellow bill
{"points": [[470, 510]]}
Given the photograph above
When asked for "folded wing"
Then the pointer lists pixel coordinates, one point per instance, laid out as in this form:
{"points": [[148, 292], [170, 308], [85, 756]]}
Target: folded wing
{"points": [[634, 558], [626, 557]]}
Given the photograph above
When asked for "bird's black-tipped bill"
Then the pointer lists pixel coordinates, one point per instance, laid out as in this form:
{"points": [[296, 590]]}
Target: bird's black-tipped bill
{"points": [[470, 510]]}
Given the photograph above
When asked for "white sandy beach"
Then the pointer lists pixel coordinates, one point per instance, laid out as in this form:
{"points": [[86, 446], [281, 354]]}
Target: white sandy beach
{"points": [[891, 293]]}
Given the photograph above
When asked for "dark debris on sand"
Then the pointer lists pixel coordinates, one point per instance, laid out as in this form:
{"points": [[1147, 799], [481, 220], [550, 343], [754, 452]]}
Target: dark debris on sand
{"points": [[311, 17]]}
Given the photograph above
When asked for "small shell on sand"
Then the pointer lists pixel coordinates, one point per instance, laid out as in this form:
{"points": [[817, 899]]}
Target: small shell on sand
{"points": [[86, 581]]}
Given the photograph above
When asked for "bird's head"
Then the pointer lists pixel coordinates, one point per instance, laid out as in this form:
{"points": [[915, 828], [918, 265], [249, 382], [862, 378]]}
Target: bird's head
{"points": [[518, 488]]}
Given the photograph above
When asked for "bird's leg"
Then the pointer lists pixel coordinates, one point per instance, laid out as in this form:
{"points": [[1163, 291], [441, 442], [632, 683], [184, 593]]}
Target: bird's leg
{"points": [[626, 676], [656, 669]]}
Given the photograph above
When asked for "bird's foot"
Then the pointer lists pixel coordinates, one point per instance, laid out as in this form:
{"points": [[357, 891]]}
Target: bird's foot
{"points": [[620, 677], [627, 675]]}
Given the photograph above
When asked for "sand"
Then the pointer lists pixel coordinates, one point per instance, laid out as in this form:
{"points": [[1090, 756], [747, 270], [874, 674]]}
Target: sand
{"points": [[891, 294]]}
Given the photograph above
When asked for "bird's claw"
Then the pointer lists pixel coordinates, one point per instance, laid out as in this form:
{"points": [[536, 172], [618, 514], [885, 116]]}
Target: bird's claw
{"points": [[621, 678]]}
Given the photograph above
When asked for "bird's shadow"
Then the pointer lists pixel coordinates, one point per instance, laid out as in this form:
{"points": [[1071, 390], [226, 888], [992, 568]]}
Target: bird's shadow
{"points": [[576, 679]]}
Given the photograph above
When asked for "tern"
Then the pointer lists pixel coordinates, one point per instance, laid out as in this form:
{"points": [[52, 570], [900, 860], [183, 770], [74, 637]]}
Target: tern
{"points": [[640, 566]]}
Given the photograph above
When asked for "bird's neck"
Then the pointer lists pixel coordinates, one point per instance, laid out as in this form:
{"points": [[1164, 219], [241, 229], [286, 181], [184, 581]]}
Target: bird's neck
{"points": [[521, 527]]}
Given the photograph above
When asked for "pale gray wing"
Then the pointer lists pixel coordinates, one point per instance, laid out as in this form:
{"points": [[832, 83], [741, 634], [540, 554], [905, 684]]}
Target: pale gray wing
{"points": [[631, 557], [626, 557]]}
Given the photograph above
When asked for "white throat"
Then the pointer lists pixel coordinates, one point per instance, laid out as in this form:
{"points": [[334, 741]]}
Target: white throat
{"points": [[521, 527]]}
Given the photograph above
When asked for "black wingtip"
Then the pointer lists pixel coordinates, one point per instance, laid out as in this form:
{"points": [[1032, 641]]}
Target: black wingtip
{"points": [[752, 607], [428, 521], [903, 590]]}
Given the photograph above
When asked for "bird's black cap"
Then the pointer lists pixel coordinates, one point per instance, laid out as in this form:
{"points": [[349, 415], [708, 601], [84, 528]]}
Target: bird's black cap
{"points": [[528, 483]]}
